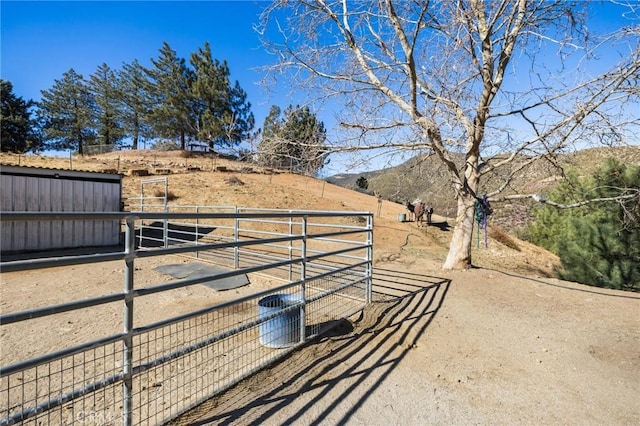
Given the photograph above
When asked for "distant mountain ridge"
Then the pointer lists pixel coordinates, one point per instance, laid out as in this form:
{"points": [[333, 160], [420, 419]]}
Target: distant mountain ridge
{"points": [[425, 177]]}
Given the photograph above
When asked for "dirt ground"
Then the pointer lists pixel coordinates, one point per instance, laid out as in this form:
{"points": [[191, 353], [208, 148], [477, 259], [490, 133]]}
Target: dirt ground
{"points": [[481, 347], [503, 343]]}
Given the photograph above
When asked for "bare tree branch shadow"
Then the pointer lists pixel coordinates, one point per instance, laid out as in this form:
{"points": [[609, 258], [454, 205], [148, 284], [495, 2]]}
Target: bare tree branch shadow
{"points": [[153, 234], [404, 305]]}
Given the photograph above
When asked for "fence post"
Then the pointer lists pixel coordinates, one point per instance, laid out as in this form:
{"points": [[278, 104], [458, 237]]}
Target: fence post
{"points": [[127, 356], [236, 237], [303, 279], [165, 225], [369, 269], [290, 244], [197, 232], [141, 209]]}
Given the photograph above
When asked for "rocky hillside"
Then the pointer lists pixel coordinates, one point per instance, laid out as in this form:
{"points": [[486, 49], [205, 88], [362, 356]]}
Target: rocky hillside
{"points": [[424, 177]]}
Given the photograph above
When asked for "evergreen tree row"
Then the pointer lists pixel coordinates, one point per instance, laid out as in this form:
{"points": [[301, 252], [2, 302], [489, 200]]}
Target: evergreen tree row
{"points": [[168, 100], [18, 133]]}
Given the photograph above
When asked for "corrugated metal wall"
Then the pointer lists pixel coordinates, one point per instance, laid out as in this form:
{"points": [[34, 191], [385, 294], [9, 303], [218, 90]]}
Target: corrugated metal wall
{"points": [[45, 190]]}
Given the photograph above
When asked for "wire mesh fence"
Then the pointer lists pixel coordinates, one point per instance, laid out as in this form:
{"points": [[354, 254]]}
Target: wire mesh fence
{"points": [[153, 371]]}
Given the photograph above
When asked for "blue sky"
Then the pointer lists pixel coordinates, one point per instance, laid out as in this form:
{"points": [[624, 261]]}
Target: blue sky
{"points": [[42, 40]]}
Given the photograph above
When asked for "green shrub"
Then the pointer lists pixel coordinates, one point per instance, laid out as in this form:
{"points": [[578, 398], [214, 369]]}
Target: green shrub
{"points": [[598, 243]]}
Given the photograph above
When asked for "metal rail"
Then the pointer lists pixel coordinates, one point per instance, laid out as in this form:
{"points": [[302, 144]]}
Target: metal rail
{"points": [[150, 373]]}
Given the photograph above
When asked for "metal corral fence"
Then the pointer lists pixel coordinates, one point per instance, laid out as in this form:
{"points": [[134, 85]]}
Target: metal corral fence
{"points": [[150, 372]]}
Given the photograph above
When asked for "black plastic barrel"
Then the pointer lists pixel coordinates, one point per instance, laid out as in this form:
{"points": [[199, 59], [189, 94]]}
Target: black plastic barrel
{"points": [[282, 330]]}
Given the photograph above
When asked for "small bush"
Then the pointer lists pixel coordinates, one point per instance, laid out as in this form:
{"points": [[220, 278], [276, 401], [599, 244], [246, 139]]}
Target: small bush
{"points": [[234, 181], [503, 238], [362, 182], [170, 195]]}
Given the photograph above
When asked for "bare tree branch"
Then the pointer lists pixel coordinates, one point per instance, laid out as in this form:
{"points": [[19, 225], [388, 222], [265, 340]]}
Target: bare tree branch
{"points": [[540, 199], [490, 88]]}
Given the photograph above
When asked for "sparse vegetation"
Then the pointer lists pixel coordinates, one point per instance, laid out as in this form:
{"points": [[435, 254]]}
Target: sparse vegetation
{"points": [[422, 178], [503, 238], [234, 181], [170, 195], [211, 187]]}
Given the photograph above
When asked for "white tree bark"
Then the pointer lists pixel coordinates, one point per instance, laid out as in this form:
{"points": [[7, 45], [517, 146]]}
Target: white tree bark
{"points": [[430, 76]]}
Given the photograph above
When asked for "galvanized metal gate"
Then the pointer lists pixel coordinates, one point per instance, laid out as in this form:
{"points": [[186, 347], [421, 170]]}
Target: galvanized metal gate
{"points": [[148, 373], [153, 202]]}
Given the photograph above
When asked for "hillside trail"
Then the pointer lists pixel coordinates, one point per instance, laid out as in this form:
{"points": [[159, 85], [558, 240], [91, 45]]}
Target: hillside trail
{"points": [[502, 343]]}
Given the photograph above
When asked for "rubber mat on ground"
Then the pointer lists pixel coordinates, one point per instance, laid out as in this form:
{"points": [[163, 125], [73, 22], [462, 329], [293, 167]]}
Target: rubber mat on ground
{"points": [[199, 270]]}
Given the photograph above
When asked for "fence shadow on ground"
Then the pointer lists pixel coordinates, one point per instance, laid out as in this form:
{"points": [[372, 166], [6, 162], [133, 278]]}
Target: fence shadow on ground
{"points": [[152, 235], [343, 367]]}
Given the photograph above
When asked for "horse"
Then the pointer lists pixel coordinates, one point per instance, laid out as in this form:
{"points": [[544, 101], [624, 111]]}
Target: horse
{"points": [[411, 209], [419, 210]]}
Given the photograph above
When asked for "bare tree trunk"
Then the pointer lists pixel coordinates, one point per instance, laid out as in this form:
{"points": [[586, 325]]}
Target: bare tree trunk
{"points": [[466, 185], [459, 256]]}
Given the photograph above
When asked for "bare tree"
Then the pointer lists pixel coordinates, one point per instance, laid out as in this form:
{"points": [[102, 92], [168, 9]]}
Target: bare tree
{"points": [[504, 83]]}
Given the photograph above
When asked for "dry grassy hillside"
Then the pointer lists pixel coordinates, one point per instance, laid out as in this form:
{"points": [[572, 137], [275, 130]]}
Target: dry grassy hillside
{"points": [[206, 181]]}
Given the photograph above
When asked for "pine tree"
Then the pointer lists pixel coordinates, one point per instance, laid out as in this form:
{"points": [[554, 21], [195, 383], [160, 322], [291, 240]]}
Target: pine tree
{"points": [[103, 85], [239, 120], [598, 243], [271, 151], [611, 235], [223, 114], [551, 222], [18, 133], [210, 88], [67, 110], [172, 115], [272, 123], [134, 93], [306, 136], [294, 141]]}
